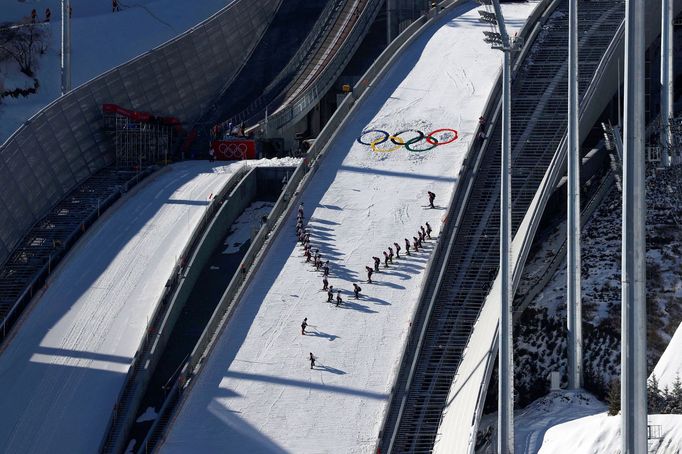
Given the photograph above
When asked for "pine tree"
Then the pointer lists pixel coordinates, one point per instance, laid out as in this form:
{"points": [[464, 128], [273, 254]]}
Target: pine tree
{"points": [[613, 399], [675, 396], [656, 401]]}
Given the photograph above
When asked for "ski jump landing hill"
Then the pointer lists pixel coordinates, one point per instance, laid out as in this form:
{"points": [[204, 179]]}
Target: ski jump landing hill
{"points": [[63, 370], [256, 391]]}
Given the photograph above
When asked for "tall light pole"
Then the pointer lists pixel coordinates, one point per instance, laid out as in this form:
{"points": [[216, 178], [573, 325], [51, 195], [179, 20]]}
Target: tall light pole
{"points": [[667, 78], [633, 325], [505, 421], [66, 47], [574, 305], [390, 11]]}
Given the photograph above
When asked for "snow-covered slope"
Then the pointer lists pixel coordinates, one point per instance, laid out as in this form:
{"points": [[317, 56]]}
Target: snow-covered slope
{"points": [[101, 40], [669, 366], [600, 434], [257, 392], [61, 373], [577, 423]]}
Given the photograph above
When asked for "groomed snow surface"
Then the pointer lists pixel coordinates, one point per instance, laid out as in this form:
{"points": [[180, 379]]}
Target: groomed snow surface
{"points": [[101, 40], [576, 423], [256, 392], [62, 372]]}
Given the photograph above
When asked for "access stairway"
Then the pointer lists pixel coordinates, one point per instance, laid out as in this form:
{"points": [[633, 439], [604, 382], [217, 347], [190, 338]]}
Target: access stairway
{"points": [[538, 124]]}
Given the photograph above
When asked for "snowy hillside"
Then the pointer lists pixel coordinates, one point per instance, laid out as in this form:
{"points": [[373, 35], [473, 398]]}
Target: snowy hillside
{"points": [[540, 336], [101, 40], [577, 423]]}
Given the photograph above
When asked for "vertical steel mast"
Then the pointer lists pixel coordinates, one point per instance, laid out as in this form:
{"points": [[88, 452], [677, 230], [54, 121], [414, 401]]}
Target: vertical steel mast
{"points": [[667, 78], [66, 47], [505, 429], [633, 345], [574, 305]]}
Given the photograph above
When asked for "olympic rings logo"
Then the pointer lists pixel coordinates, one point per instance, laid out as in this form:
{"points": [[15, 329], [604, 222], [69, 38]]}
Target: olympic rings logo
{"points": [[233, 150], [375, 137]]}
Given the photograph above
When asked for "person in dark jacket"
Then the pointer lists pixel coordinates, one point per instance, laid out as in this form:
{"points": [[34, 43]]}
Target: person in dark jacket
{"points": [[369, 274]]}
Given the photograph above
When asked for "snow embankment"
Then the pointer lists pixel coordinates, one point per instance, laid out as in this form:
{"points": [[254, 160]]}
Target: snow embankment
{"points": [[63, 370], [577, 422], [256, 392], [601, 434], [101, 40]]}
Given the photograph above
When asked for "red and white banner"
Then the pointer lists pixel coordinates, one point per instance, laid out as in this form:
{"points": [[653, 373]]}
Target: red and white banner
{"points": [[232, 150]]}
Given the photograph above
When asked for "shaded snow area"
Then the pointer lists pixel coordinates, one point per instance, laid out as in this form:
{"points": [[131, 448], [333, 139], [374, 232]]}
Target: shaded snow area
{"points": [[274, 162], [257, 392], [246, 225], [576, 423], [540, 345], [101, 40], [62, 371], [148, 415]]}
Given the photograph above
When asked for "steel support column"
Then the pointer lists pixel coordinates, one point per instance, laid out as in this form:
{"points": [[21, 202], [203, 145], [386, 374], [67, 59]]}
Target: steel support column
{"points": [[505, 426], [667, 78], [66, 47], [633, 345], [390, 12], [574, 305]]}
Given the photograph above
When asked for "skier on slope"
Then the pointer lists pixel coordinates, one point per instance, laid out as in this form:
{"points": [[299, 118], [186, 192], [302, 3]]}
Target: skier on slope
{"points": [[385, 259], [312, 360], [325, 269], [397, 250], [304, 325], [423, 232], [300, 210], [325, 283], [377, 261], [390, 254], [338, 298], [369, 274], [330, 294], [307, 255], [415, 244], [428, 230], [407, 246], [432, 197], [357, 289]]}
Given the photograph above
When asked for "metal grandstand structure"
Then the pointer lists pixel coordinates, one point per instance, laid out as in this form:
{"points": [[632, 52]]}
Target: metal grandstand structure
{"points": [[539, 121], [28, 267]]}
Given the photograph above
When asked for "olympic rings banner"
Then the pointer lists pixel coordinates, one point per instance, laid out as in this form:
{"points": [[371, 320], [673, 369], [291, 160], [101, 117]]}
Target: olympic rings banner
{"points": [[233, 150], [413, 140]]}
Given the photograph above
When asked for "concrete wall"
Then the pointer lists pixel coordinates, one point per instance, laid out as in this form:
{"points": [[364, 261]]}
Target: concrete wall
{"points": [[63, 144]]}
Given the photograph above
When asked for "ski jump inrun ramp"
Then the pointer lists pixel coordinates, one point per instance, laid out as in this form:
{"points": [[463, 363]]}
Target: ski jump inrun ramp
{"points": [[256, 391], [62, 371]]}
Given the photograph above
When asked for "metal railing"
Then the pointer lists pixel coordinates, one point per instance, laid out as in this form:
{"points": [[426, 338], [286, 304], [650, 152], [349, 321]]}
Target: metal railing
{"points": [[276, 88], [473, 261], [293, 111]]}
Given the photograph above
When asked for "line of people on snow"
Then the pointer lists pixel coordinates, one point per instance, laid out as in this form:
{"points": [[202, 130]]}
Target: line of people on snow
{"points": [[313, 255]]}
